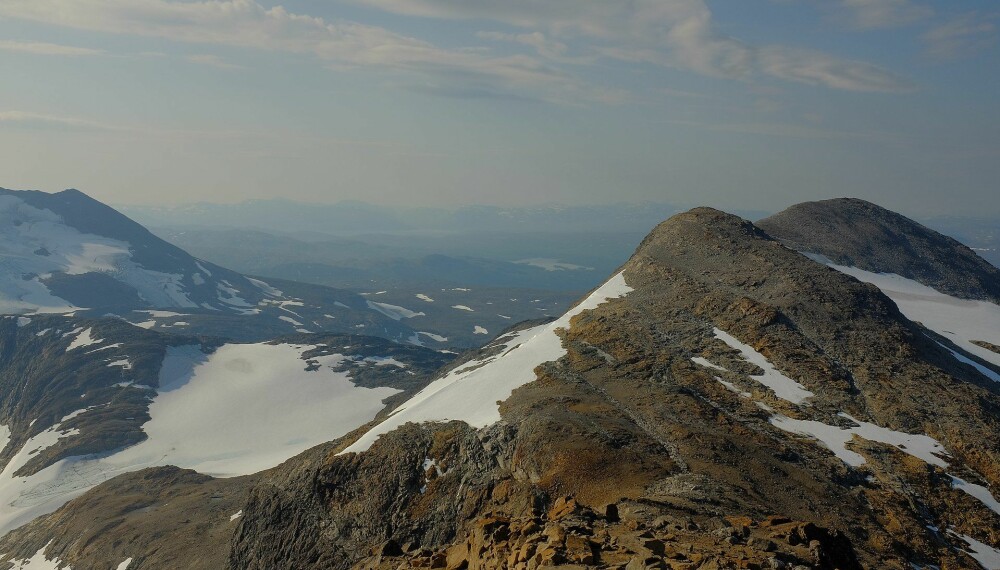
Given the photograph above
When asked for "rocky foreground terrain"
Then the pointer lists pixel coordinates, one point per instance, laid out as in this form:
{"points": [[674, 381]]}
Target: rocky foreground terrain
{"points": [[735, 404]]}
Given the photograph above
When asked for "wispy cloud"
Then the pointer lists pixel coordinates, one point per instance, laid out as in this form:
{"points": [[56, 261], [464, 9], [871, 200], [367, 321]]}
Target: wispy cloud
{"points": [[342, 44], [963, 36], [43, 48], [675, 33], [536, 40], [212, 60], [816, 68], [30, 120], [879, 14]]}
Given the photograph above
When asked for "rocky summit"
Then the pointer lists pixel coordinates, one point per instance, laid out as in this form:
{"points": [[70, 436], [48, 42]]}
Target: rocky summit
{"points": [[857, 233], [723, 401]]}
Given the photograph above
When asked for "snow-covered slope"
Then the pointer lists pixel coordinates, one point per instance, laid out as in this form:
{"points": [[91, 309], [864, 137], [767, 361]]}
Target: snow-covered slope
{"points": [[46, 258], [239, 410], [470, 393], [66, 252]]}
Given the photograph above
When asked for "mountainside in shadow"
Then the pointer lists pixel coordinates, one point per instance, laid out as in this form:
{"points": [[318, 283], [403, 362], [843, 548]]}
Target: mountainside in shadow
{"points": [[720, 402]]}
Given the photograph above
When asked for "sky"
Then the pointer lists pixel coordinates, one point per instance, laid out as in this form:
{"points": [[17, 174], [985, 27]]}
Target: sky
{"points": [[750, 104]]}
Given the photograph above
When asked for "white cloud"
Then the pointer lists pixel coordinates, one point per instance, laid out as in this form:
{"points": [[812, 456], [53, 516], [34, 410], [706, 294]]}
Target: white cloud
{"points": [[964, 35], [43, 48], [878, 14]]}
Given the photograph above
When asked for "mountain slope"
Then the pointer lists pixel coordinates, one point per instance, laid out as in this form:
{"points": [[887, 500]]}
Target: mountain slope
{"points": [[853, 232], [721, 401], [84, 400], [66, 252]]}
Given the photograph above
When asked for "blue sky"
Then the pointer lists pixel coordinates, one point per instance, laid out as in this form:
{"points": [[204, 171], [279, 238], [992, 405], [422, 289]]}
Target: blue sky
{"points": [[752, 104]]}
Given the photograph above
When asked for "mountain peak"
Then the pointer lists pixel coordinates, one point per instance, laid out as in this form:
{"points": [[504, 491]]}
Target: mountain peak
{"points": [[698, 228], [857, 233]]}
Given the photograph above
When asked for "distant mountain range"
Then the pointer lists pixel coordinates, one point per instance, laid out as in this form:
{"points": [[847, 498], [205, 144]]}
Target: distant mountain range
{"points": [[433, 228], [352, 217]]}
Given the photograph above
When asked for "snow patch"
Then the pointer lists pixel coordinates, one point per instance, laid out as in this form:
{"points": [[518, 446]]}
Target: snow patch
{"points": [[265, 287], [4, 436], [83, 339], [202, 268], [39, 562], [979, 367], [105, 347], [977, 491], [783, 386], [423, 297], [735, 389], [125, 364], [552, 264], [835, 439], [987, 556], [701, 361], [162, 314], [480, 330], [462, 308], [415, 338], [394, 312]]}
